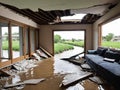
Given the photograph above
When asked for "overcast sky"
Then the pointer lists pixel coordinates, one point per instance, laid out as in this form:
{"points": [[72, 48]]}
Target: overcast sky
{"points": [[14, 30], [70, 34], [112, 27]]}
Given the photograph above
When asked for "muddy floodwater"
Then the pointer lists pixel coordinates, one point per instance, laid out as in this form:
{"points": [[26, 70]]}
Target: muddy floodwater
{"points": [[53, 70]]}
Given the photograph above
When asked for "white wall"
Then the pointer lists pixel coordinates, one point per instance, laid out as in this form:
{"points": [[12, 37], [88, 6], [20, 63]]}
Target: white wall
{"points": [[114, 12], [15, 16]]}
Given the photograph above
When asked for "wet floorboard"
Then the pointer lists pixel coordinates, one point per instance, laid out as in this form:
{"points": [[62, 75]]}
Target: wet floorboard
{"points": [[53, 71]]}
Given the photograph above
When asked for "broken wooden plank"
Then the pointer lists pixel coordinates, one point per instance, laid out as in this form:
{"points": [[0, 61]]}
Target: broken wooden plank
{"points": [[13, 85], [34, 81], [73, 78], [3, 73], [31, 81]]}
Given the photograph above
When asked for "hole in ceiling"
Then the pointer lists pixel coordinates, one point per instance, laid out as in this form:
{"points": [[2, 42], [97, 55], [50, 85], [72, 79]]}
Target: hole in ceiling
{"points": [[75, 17]]}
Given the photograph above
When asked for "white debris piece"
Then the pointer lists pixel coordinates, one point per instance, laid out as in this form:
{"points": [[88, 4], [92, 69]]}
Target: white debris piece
{"points": [[24, 65], [71, 78], [30, 81], [37, 56]]}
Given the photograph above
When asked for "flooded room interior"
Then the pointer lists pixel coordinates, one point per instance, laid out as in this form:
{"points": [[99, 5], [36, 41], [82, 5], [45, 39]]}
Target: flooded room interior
{"points": [[59, 45]]}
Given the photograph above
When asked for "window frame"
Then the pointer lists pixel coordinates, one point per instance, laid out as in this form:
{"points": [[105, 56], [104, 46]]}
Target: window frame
{"points": [[24, 56], [100, 28]]}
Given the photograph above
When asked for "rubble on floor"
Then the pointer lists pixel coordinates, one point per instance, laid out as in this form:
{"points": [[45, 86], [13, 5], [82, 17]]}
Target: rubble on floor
{"points": [[75, 77], [20, 67], [4, 74], [25, 65], [11, 73]]}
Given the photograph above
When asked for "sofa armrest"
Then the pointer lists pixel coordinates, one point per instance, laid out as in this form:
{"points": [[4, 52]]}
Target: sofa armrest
{"points": [[92, 52]]}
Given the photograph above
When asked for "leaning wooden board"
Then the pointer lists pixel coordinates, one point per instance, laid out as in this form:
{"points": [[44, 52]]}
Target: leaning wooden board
{"points": [[72, 78]]}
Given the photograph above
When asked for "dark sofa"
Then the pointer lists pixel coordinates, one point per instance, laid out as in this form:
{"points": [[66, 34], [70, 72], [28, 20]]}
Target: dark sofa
{"points": [[109, 70]]}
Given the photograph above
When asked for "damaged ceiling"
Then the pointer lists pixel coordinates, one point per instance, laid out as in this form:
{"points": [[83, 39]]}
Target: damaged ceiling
{"points": [[49, 5], [44, 17]]}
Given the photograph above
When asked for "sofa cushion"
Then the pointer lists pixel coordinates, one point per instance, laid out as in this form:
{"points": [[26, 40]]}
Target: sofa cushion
{"points": [[101, 51], [112, 55], [111, 67]]}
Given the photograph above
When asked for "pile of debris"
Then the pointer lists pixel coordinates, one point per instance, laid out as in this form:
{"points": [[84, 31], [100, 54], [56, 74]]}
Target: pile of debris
{"points": [[26, 64], [22, 66]]}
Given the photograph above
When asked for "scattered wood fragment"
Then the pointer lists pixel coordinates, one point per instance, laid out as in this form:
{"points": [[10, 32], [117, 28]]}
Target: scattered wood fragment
{"points": [[28, 82], [34, 81], [75, 59], [4, 73]]}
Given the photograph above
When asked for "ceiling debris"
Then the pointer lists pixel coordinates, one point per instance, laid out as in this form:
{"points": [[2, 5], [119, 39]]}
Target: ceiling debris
{"points": [[42, 17], [96, 9]]}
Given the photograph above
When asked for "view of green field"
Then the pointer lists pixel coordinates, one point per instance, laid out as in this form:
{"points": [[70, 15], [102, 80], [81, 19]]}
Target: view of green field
{"points": [[60, 47], [15, 45], [111, 44], [63, 45], [75, 43]]}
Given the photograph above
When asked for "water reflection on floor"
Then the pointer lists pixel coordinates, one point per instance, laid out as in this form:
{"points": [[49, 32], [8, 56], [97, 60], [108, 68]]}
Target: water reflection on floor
{"points": [[64, 67]]}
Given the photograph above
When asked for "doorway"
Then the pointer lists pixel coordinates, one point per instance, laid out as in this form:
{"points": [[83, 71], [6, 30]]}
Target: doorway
{"points": [[69, 43]]}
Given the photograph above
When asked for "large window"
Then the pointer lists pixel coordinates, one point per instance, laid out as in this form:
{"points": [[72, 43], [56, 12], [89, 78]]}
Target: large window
{"points": [[17, 41], [110, 33], [4, 42]]}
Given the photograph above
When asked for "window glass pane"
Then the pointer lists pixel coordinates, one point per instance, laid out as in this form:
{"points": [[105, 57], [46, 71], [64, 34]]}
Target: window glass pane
{"points": [[111, 34], [17, 47], [4, 42]]}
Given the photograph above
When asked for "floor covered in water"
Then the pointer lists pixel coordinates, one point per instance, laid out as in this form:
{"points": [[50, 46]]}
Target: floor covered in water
{"points": [[53, 70]]}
